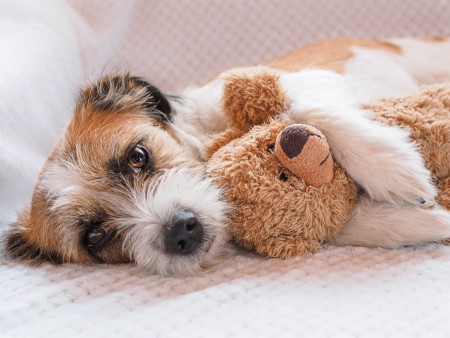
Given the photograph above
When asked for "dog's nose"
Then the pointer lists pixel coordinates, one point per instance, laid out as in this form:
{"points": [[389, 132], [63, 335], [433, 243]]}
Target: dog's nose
{"points": [[184, 233], [293, 139]]}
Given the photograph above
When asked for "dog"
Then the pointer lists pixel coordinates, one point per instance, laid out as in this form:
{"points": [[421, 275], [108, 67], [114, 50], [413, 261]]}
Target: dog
{"points": [[126, 182]]}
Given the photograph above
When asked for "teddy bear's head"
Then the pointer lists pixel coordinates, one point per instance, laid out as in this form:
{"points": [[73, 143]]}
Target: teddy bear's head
{"points": [[286, 193]]}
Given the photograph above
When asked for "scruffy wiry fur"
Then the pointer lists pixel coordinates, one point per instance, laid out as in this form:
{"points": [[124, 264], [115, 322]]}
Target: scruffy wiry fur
{"points": [[88, 184], [118, 93]]}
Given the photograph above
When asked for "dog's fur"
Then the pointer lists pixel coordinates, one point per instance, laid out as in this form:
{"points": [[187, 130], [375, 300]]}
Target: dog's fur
{"points": [[88, 184]]}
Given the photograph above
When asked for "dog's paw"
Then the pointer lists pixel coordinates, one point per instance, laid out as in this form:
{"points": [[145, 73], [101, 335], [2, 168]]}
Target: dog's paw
{"points": [[383, 161], [403, 189], [397, 176]]}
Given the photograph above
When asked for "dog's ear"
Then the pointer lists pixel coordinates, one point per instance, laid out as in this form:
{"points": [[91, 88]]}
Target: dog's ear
{"points": [[119, 93], [18, 247], [156, 103]]}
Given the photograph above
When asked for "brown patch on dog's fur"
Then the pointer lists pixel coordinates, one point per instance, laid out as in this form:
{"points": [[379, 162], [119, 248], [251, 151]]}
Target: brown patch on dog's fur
{"points": [[436, 39], [328, 54], [260, 96]]}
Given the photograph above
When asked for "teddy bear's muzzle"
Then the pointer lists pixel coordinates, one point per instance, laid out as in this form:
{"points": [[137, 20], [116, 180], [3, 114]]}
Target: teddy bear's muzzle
{"points": [[304, 150], [293, 139]]}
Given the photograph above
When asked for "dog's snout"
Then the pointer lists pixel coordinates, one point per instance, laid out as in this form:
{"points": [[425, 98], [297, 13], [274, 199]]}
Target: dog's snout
{"points": [[293, 139], [184, 233]]}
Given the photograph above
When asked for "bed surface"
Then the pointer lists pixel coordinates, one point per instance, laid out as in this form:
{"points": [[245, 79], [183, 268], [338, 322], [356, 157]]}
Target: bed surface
{"points": [[339, 292]]}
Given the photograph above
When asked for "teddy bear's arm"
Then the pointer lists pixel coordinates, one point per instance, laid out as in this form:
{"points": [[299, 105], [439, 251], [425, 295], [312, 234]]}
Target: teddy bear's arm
{"points": [[286, 246], [222, 139], [379, 158]]}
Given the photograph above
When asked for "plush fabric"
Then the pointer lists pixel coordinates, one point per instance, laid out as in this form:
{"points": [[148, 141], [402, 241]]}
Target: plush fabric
{"points": [[304, 150], [273, 211]]}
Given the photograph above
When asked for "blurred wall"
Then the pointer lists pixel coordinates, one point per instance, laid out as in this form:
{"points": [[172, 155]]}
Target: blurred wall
{"points": [[174, 43]]}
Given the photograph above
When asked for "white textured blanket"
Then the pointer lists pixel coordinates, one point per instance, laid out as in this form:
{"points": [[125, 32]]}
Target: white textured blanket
{"points": [[339, 292], [48, 49]]}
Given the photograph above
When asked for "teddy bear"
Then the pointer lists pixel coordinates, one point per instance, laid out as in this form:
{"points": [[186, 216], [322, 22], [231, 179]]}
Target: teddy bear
{"points": [[288, 195]]}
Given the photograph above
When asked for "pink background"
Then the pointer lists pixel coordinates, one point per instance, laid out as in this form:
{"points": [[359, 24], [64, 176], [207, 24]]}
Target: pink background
{"points": [[175, 43]]}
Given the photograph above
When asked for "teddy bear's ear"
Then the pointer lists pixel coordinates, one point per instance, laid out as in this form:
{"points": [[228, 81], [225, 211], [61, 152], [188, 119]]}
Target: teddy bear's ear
{"points": [[222, 139], [250, 100], [304, 150]]}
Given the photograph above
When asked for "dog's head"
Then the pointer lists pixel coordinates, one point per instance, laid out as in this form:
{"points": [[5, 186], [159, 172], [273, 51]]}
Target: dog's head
{"points": [[121, 187]]}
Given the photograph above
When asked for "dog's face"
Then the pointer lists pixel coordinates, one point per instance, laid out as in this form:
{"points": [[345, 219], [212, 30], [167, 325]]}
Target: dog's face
{"points": [[121, 187]]}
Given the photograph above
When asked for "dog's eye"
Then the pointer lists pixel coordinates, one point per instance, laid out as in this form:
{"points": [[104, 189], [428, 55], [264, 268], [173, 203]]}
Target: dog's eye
{"points": [[138, 158], [97, 238]]}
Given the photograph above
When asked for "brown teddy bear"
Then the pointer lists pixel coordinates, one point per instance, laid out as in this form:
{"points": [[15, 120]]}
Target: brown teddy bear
{"points": [[288, 195]]}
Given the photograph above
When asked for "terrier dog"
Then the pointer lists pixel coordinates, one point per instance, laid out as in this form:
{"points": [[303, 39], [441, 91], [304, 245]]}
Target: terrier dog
{"points": [[126, 182]]}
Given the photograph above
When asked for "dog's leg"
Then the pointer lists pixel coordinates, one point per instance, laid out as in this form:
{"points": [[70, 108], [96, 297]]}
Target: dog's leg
{"points": [[380, 158], [386, 225], [428, 61], [374, 73], [199, 115]]}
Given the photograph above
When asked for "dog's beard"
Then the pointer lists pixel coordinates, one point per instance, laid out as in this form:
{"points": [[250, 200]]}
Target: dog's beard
{"points": [[152, 205]]}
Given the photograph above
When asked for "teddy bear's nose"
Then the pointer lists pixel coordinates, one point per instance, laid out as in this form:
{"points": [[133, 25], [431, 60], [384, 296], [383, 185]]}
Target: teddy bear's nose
{"points": [[293, 139]]}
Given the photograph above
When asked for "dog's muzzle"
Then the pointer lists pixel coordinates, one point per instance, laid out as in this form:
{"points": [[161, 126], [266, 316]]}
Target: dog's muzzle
{"points": [[184, 233]]}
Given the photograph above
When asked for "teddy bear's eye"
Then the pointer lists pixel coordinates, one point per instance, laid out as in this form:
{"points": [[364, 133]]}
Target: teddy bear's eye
{"points": [[271, 147], [283, 177]]}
